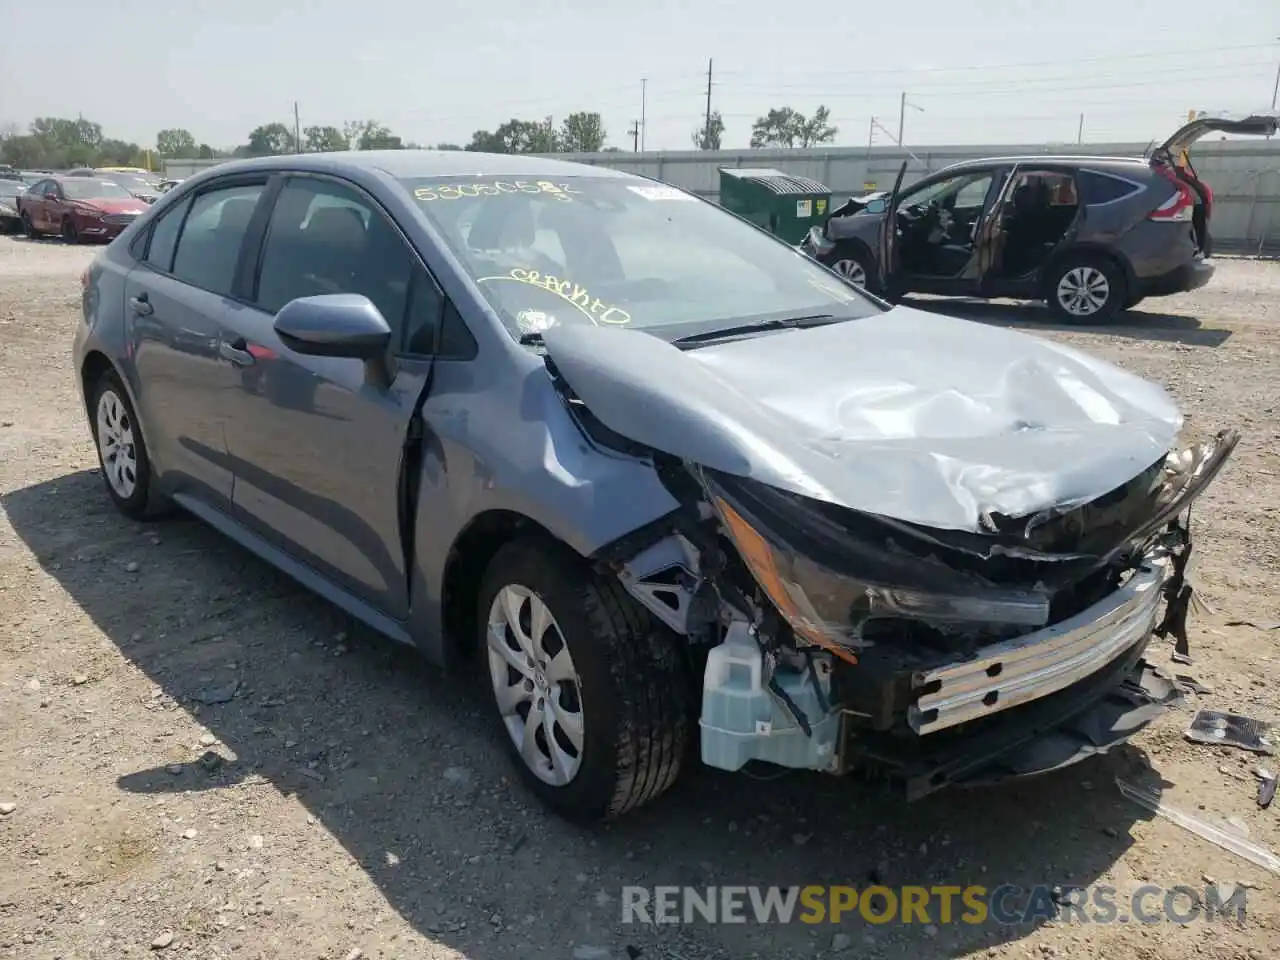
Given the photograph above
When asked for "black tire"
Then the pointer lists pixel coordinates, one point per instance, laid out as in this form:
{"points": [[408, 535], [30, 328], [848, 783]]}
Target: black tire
{"points": [[635, 701], [29, 228], [141, 502], [69, 232], [1134, 300], [849, 259], [1099, 275]]}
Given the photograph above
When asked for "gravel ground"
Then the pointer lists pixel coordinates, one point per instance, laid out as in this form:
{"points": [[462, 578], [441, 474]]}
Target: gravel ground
{"points": [[349, 801]]}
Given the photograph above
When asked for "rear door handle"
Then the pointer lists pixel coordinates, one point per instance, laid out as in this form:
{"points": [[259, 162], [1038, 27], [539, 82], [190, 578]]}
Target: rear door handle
{"points": [[141, 305], [236, 351]]}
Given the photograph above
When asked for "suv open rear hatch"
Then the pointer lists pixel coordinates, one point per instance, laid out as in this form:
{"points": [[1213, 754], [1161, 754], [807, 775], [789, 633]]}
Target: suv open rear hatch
{"points": [[1194, 199]]}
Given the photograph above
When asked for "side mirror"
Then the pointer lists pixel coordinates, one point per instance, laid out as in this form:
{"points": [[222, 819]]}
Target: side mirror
{"points": [[876, 206], [334, 325]]}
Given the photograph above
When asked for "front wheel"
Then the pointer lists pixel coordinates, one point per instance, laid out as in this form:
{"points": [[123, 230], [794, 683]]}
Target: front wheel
{"points": [[854, 264], [1085, 288], [70, 234], [29, 228], [592, 693]]}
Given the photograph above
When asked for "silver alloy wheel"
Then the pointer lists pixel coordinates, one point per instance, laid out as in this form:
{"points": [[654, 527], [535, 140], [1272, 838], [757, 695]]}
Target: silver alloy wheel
{"points": [[115, 444], [851, 270], [535, 684], [1083, 291]]}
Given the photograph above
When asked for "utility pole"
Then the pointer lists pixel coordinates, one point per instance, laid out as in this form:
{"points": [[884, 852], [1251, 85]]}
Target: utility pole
{"points": [[644, 84], [635, 136], [297, 130], [706, 137], [1080, 130], [871, 136], [902, 115]]}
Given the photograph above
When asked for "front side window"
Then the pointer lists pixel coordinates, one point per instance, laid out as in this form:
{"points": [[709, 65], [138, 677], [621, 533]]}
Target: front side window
{"points": [[209, 246], [324, 237], [613, 251]]}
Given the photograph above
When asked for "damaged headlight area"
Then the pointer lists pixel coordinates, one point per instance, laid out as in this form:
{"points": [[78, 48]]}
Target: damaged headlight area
{"points": [[836, 638]]}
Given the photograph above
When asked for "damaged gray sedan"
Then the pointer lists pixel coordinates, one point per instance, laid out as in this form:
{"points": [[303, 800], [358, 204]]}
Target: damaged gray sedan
{"points": [[673, 485]]}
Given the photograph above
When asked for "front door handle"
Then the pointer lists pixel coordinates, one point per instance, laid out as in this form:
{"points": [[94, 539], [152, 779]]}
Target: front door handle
{"points": [[236, 351], [141, 305]]}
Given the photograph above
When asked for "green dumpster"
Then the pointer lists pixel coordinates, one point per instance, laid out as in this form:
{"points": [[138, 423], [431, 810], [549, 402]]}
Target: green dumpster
{"points": [[785, 205]]}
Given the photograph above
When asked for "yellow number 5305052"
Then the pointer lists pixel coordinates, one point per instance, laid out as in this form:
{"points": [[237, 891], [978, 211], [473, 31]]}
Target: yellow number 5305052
{"points": [[496, 188]]}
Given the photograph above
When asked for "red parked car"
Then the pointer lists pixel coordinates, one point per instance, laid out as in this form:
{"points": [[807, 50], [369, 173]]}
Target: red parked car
{"points": [[77, 209]]}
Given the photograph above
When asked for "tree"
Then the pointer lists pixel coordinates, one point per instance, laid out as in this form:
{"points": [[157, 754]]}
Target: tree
{"points": [[582, 133], [269, 140], [708, 136], [376, 136], [325, 139], [816, 131], [516, 136], [785, 127], [447, 146], [175, 142]]}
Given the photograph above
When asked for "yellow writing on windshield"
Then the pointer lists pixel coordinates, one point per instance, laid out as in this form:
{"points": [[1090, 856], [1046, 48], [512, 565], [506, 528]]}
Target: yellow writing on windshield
{"points": [[496, 188], [593, 308]]}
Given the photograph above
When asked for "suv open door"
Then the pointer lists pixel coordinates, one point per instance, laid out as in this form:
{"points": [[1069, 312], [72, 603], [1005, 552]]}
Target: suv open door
{"points": [[889, 234]]}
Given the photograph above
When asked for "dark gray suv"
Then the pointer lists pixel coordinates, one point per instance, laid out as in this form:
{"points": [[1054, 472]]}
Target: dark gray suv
{"points": [[1092, 236]]}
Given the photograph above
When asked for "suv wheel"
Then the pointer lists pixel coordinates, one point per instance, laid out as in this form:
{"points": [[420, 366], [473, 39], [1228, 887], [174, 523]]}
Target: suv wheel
{"points": [[1085, 288], [854, 264], [590, 691]]}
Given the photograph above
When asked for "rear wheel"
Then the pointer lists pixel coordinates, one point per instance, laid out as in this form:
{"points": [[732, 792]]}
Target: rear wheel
{"points": [[122, 453], [591, 692], [1085, 288], [854, 264]]}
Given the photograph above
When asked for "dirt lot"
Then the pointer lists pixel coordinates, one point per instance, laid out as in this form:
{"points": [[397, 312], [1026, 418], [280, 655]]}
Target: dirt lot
{"points": [[362, 803]]}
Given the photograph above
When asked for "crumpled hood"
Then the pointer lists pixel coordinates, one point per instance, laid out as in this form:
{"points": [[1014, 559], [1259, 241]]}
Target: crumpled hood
{"points": [[906, 414]]}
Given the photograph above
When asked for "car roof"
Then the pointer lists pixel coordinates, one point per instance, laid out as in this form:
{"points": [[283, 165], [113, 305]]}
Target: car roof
{"points": [[1070, 160], [404, 164], [62, 178]]}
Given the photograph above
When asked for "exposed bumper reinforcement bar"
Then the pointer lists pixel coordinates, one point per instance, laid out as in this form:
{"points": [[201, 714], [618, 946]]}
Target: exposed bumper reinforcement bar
{"points": [[1042, 663]]}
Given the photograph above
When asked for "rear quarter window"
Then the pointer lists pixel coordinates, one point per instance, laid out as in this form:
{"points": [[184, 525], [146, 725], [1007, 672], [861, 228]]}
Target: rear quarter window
{"points": [[1104, 188]]}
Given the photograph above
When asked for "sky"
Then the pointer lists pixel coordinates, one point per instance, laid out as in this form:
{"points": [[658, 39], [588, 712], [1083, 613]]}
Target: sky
{"points": [[978, 72]]}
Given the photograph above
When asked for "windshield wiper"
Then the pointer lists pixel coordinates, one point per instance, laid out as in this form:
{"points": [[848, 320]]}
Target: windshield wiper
{"points": [[760, 326], [531, 339]]}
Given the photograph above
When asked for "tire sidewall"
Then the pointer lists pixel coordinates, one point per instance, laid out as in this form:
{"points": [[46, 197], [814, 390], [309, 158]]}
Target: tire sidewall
{"points": [[28, 227], [69, 232], [562, 581], [1117, 292], [136, 504]]}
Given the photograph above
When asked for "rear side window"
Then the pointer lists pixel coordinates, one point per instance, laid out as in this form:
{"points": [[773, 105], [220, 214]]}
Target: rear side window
{"points": [[1101, 188], [164, 238], [209, 246]]}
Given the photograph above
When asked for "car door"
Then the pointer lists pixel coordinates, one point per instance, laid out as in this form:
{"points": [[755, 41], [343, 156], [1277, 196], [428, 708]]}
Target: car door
{"points": [[33, 203], [179, 299], [317, 443], [989, 235], [888, 273]]}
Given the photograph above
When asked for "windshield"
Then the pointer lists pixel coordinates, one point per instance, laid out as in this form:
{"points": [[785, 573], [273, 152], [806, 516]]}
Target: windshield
{"points": [[93, 190], [621, 252]]}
